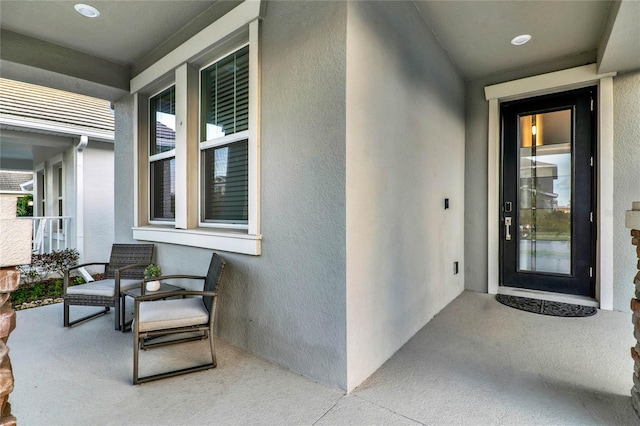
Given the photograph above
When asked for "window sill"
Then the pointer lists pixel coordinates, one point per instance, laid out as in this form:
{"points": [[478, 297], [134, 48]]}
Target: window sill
{"points": [[224, 240]]}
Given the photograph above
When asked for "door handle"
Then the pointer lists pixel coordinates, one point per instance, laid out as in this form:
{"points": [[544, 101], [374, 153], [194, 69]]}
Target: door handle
{"points": [[507, 228]]}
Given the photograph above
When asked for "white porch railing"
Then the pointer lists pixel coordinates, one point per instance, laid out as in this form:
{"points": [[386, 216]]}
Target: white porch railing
{"points": [[50, 233]]}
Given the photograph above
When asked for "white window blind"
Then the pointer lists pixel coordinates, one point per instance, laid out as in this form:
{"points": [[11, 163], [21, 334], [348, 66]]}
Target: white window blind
{"points": [[224, 143]]}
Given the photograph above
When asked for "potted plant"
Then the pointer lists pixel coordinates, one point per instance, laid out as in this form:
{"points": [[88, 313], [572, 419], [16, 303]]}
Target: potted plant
{"points": [[152, 271]]}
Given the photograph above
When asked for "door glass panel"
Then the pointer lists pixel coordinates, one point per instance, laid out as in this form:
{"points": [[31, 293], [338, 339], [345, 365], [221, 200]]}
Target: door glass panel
{"points": [[545, 189]]}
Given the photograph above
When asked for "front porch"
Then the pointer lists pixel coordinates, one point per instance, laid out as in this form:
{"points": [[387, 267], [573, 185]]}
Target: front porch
{"points": [[476, 362]]}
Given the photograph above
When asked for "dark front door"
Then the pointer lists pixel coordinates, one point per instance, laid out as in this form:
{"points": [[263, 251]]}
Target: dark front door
{"points": [[547, 237]]}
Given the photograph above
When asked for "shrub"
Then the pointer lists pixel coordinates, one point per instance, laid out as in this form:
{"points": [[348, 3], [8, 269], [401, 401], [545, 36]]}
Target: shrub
{"points": [[23, 208], [55, 289], [37, 291], [25, 293], [58, 261], [29, 273], [45, 264], [19, 296]]}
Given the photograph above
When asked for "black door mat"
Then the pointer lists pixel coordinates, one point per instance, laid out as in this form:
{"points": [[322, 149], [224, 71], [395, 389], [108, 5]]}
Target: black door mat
{"points": [[546, 307]]}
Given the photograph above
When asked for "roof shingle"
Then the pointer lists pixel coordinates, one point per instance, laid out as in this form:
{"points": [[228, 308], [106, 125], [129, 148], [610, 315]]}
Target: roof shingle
{"points": [[10, 181], [31, 102]]}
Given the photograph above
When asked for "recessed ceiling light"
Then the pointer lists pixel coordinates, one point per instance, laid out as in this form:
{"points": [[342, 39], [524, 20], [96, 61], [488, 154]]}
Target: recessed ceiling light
{"points": [[86, 10], [521, 39]]}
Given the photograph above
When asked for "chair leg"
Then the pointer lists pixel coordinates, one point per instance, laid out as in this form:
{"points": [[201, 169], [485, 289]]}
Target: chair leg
{"points": [[68, 323], [136, 350], [116, 319], [66, 314], [122, 313], [213, 350], [138, 343]]}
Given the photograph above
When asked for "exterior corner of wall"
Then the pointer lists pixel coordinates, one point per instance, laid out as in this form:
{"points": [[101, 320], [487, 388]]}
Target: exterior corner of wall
{"points": [[124, 168]]}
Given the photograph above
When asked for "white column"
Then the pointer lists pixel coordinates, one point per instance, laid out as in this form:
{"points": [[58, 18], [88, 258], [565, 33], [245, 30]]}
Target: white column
{"points": [[79, 183]]}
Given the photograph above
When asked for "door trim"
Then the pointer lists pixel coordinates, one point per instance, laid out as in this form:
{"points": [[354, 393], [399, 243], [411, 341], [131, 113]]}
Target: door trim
{"points": [[572, 78]]}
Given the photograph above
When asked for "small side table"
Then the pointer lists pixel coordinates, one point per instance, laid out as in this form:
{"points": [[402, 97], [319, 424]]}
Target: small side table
{"points": [[136, 292]]}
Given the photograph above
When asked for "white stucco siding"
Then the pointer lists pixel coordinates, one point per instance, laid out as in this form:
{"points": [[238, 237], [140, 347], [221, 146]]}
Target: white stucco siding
{"points": [[405, 155], [98, 203], [124, 169], [296, 309], [288, 304], [626, 178]]}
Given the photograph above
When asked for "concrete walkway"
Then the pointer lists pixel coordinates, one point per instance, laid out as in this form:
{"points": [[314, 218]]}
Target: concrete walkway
{"points": [[477, 363]]}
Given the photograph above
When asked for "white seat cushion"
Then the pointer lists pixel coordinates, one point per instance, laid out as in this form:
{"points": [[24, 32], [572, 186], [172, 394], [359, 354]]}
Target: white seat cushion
{"points": [[172, 313], [102, 287]]}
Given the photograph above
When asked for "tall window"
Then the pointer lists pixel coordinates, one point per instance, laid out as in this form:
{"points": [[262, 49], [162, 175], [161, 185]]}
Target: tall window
{"points": [[208, 171], [42, 182], [224, 125], [162, 154], [59, 198]]}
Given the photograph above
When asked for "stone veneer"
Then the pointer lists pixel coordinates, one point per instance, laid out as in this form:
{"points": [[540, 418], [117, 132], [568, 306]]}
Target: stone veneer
{"points": [[632, 221], [15, 249]]}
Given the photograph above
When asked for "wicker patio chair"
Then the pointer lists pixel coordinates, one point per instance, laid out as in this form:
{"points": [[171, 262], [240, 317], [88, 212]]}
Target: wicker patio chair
{"points": [[194, 311], [124, 270]]}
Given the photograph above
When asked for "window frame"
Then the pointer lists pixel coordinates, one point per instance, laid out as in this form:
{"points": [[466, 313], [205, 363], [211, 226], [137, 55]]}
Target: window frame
{"points": [[157, 157], [216, 142], [58, 171], [237, 29], [41, 192]]}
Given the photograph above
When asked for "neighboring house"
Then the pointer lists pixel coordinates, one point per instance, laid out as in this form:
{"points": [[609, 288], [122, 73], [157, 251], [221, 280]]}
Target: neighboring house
{"points": [[538, 190], [66, 140], [339, 159], [16, 182]]}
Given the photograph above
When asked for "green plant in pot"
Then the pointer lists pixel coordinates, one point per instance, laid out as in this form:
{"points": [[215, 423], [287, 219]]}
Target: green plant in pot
{"points": [[152, 271]]}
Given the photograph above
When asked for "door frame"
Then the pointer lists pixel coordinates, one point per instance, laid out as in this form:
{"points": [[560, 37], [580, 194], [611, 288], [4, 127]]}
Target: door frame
{"points": [[572, 78]]}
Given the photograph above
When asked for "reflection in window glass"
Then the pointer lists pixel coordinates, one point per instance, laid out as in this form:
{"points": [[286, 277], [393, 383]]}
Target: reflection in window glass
{"points": [[163, 189], [163, 119], [162, 133], [225, 96], [226, 189], [545, 190]]}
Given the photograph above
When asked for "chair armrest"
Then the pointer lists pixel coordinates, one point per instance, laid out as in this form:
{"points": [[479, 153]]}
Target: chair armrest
{"points": [[65, 283], [167, 277], [170, 277], [124, 268], [157, 296], [133, 265], [87, 264]]}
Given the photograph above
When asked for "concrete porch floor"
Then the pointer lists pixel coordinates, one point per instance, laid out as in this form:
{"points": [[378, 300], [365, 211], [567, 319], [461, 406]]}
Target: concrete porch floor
{"points": [[477, 362]]}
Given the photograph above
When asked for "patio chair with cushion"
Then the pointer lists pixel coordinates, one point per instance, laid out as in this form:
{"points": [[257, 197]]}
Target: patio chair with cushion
{"points": [[124, 270], [192, 315]]}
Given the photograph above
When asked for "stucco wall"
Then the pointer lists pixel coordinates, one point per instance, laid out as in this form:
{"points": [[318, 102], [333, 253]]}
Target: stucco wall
{"points": [[626, 178], [405, 155], [625, 93], [287, 305], [124, 169], [98, 201]]}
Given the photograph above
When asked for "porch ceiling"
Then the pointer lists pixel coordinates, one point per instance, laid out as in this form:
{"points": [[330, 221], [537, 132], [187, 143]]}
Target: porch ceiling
{"points": [[102, 53], [477, 34]]}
